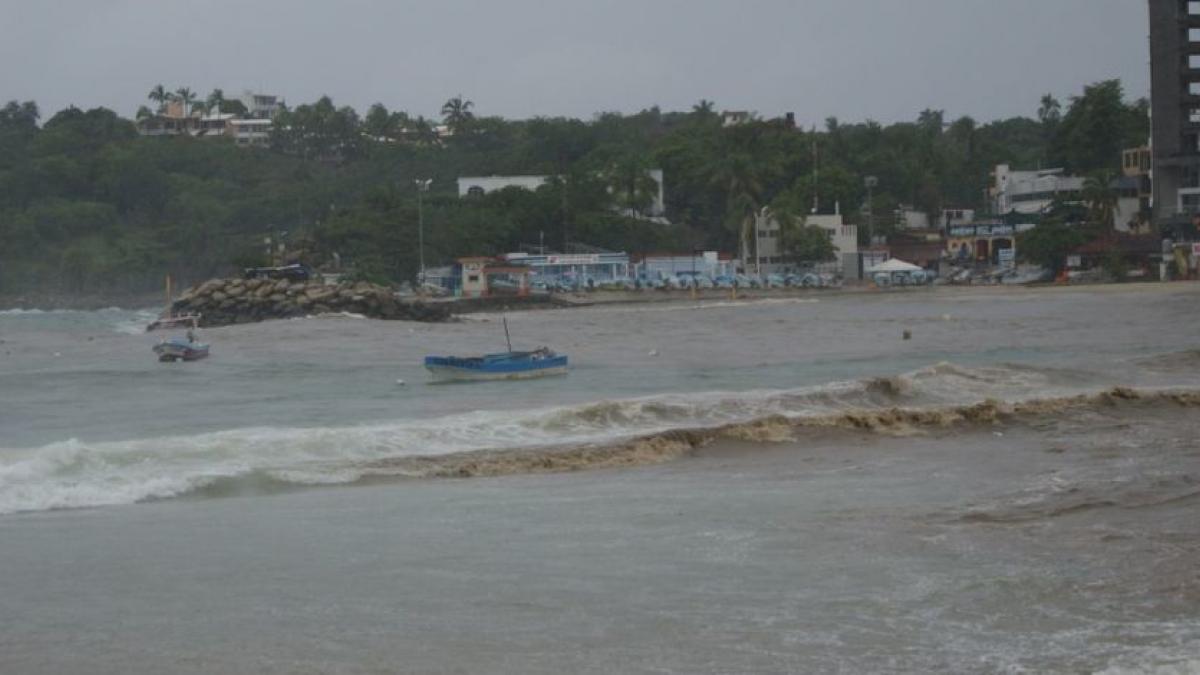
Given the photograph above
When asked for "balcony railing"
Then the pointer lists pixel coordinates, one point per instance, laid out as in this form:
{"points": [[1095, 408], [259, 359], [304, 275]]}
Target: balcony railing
{"points": [[1185, 211]]}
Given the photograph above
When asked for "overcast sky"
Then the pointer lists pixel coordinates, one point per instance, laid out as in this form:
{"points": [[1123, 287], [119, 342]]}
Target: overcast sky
{"points": [[879, 59]]}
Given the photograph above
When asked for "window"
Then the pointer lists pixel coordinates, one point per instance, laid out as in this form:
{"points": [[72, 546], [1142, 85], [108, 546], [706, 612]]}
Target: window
{"points": [[1193, 61], [475, 191], [473, 278], [1193, 8], [1194, 35], [1191, 177]]}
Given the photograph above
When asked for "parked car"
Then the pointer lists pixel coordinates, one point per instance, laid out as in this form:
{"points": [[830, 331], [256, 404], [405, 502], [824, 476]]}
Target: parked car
{"points": [[775, 281], [749, 281], [293, 272], [723, 281], [811, 280]]}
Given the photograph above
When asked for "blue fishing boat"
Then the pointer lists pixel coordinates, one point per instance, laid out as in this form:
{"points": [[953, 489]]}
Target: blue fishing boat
{"points": [[180, 349], [501, 366], [509, 365]]}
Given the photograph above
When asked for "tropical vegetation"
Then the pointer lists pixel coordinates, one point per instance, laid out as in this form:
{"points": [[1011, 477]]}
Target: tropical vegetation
{"points": [[86, 204]]}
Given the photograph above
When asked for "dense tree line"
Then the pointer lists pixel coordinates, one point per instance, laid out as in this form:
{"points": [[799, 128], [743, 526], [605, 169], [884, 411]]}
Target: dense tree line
{"points": [[87, 204]]}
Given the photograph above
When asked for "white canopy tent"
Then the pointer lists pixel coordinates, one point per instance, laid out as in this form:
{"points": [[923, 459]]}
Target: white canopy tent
{"points": [[894, 265]]}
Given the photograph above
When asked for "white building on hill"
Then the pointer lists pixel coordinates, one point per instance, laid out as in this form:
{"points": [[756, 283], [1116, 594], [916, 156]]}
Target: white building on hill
{"points": [[480, 185]]}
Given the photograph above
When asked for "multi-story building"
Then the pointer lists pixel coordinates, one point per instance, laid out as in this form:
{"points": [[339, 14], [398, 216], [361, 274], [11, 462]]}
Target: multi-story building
{"points": [[261, 106], [253, 130], [1032, 192], [771, 257], [1175, 111]]}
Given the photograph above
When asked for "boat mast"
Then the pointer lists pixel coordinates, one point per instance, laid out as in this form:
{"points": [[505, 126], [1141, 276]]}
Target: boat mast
{"points": [[507, 339]]}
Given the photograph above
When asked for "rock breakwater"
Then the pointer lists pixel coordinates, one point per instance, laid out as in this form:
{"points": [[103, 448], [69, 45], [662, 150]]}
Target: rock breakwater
{"points": [[222, 302]]}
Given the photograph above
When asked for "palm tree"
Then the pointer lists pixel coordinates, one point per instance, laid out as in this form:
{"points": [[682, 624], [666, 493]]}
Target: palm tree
{"points": [[160, 95], [456, 113], [1101, 198], [185, 96], [1050, 110], [215, 100], [143, 112], [424, 131], [738, 176]]}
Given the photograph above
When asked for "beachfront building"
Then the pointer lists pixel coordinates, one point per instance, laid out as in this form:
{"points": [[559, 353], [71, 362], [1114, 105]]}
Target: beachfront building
{"points": [[573, 268], [1175, 113], [988, 243], [770, 257], [475, 186], [711, 264], [481, 276]]}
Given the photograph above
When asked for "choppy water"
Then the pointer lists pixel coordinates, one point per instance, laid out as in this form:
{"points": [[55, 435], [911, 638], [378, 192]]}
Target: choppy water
{"points": [[801, 490]]}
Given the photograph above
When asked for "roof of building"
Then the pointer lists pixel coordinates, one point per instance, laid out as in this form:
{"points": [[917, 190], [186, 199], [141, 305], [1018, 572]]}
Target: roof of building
{"points": [[894, 265]]}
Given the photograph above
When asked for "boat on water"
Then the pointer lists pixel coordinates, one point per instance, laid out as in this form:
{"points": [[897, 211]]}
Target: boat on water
{"points": [[509, 365], [168, 319], [180, 349], [501, 366], [186, 348]]}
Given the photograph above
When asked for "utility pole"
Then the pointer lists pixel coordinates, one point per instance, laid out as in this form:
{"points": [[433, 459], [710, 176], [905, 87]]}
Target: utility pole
{"points": [[815, 175], [760, 221], [422, 186]]}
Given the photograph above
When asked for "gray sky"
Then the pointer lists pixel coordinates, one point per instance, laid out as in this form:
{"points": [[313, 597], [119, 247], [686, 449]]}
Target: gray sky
{"points": [[856, 59]]}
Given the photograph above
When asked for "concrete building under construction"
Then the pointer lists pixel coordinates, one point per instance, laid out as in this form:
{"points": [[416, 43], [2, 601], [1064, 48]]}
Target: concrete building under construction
{"points": [[1175, 112]]}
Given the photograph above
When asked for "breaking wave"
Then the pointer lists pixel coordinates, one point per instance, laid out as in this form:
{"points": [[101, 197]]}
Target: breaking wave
{"points": [[612, 433]]}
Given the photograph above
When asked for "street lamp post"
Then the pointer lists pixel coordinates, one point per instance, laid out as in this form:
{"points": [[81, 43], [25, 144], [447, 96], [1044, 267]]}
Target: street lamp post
{"points": [[870, 182], [422, 186], [695, 282]]}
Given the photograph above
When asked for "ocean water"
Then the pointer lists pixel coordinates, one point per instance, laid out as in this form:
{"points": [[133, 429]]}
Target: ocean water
{"points": [[780, 485]]}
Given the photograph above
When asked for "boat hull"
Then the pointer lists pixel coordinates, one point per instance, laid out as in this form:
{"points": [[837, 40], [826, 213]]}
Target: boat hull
{"points": [[509, 366], [174, 351], [453, 374]]}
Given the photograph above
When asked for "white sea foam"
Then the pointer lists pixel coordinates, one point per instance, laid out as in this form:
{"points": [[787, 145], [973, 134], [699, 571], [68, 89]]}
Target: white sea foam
{"points": [[77, 473]]}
